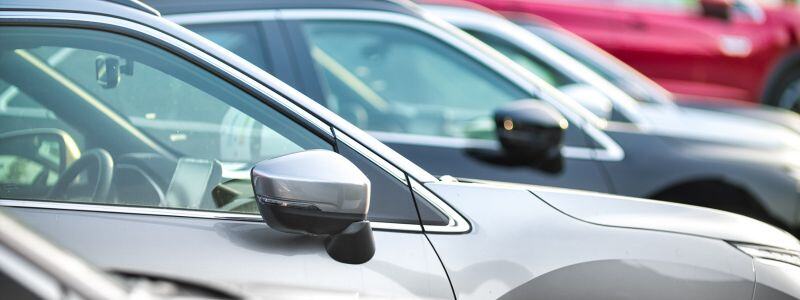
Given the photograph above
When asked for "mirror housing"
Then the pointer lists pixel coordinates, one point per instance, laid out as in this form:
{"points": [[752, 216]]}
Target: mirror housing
{"points": [[590, 98], [531, 132], [317, 192], [720, 9]]}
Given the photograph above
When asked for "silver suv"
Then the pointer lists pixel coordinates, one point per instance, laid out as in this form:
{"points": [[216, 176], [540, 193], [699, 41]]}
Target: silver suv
{"points": [[162, 153]]}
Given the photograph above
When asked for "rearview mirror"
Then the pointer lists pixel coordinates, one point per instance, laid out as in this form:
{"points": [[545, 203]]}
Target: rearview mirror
{"points": [[107, 71], [720, 9], [317, 192], [531, 132], [590, 98]]}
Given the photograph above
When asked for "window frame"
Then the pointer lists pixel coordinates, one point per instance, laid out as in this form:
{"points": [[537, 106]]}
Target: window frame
{"points": [[260, 89]]}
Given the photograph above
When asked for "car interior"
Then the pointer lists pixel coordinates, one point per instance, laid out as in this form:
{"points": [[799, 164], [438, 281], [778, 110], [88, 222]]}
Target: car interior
{"points": [[80, 139]]}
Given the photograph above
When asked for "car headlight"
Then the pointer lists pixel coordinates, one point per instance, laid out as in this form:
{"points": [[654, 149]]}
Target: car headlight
{"points": [[771, 253]]}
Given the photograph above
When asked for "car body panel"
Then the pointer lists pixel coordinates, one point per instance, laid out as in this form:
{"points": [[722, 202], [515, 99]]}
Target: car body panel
{"points": [[647, 214], [481, 266], [776, 280], [244, 254]]}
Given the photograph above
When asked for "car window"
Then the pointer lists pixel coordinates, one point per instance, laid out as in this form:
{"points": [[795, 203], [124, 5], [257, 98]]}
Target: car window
{"points": [[391, 200], [601, 63], [123, 122], [244, 39], [524, 59], [393, 79]]}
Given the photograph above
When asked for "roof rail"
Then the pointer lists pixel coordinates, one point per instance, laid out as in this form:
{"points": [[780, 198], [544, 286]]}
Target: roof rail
{"points": [[136, 4]]}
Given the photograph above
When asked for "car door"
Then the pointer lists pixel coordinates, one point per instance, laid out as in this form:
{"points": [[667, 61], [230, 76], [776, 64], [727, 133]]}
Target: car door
{"points": [[147, 168], [725, 55], [423, 97]]}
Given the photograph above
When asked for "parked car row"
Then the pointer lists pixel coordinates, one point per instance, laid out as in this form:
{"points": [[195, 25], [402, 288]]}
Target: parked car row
{"points": [[705, 50], [433, 98], [147, 148]]}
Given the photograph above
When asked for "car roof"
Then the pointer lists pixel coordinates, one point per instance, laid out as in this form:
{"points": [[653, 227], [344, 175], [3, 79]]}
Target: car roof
{"points": [[129, 9], [170, 7]]}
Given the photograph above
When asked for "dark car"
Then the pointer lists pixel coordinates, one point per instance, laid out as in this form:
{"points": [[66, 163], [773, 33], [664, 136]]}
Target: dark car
{"points": [[434, 94]]}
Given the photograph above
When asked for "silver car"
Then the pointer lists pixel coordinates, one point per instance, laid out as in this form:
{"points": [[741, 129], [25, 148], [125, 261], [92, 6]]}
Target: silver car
{"points": [[163, 153]]}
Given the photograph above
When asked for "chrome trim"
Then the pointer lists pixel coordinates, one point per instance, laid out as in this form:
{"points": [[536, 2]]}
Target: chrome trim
{"points": [[460, 143], [456, 223], [611, 151], [171, 212], [107, 208], [396, 226], [371, 156], [223, 17]]}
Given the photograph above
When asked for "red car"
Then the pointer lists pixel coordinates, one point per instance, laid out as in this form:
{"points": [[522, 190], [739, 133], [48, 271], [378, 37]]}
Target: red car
{"points": [[707, 49]]}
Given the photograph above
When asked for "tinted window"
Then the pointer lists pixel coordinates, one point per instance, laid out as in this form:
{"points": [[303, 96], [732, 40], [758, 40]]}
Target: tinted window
{"points": [[244, 39], [524, 59], [390, 199], [394, 79], [171, 133]]}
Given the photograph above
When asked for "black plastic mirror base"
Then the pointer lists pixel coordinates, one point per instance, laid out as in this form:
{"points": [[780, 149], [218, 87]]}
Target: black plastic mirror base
{"points": [[355, 245]]}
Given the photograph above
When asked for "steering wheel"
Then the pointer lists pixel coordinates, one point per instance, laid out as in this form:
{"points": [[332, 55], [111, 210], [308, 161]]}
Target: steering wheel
{"points": [[98, 158]]}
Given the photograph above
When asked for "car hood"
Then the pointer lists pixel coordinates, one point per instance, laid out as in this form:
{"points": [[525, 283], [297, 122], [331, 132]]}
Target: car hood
{"points": [[609, 210], [770, 114], [618, 211], [718, 127]]}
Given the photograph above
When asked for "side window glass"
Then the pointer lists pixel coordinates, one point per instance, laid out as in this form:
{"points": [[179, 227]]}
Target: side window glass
{"points": [[521, 57], [393, 79], [244, 39], [390, 199], [128, 123]]}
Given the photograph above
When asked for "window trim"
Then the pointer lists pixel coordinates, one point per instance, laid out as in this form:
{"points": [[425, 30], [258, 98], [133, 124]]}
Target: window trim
{"points": [[260, 91]]}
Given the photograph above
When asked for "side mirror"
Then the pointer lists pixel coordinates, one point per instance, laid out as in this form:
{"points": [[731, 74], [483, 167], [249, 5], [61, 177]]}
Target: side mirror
{"points": [[531, 132], [50, 147], [720, 9], [590, 98], [317, 192], [107, 71]]}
